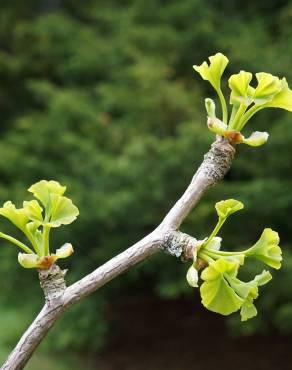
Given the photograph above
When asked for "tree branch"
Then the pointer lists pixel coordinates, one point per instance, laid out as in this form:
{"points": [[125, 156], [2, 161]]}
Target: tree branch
{"points": [[213, 168], [215, 165]]}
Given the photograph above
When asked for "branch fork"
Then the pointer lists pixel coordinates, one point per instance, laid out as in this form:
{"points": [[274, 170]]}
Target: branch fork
{"points": [[166, 236], [181, 245]]}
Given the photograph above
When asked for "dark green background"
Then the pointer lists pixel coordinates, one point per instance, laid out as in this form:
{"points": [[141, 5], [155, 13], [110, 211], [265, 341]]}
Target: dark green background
{"points": [[101, 96]]}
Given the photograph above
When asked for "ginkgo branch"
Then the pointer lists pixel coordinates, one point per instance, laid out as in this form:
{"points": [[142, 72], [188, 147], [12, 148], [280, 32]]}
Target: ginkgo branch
{"points": [[213, 168]]}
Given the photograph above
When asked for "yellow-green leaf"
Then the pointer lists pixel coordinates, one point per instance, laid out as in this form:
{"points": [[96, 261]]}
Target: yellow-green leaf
{"points": [[42, 190], [214, 71], [268, 87], [15, 215], [241, 92], [249, 292], [267, 249], [226, 207], [33, 210], [283, 99], [248, 310], [63, 211], [216, 293]]}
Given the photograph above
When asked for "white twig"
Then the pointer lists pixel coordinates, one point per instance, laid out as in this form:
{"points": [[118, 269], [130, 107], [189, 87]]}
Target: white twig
{"points": [[213, 168]]}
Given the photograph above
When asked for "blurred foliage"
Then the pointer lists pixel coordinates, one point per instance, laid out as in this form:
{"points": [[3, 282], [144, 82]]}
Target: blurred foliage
{"points": [[100, 95]]}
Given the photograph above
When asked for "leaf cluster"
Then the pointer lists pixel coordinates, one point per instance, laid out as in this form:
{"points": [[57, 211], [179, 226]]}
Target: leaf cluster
{"points": [[222, 291], [246, 100], [36, 218]]}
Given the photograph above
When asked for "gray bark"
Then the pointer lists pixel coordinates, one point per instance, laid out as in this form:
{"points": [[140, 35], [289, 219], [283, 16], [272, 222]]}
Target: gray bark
{"points": [[166, 236]]}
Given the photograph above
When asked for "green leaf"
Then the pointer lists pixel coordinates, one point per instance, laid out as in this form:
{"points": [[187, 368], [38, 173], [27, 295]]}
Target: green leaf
{"points": [[257, 138], [224, 293], [263, 278], [17, 216], [36, 222], [63, 211], [267, 249], [33, 210], [248, 310], [250, 289], [43, 189], [226, 207], [268, 87], [245, 290], [216, 293], [283, 99], [249, 292], [241, 92], [214, 71], [59, 209], [240, 258]]}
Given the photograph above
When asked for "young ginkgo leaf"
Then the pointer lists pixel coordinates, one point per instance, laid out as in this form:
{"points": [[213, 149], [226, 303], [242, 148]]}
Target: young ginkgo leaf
{"points": [[241, 92], [263, 278], [214, 71], [240, 258], [249, 292], [267, 249], [224, 293], [248, 310], [33, 211], [63, 211], [268, 87], [17, 216], [59, 210], [43, 189], [225, 208], [283, 99], [216, 292]]}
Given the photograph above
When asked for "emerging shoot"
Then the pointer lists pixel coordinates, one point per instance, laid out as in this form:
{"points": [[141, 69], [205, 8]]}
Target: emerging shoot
{"points": [[36, 219], [269, 92], [222, 291]]}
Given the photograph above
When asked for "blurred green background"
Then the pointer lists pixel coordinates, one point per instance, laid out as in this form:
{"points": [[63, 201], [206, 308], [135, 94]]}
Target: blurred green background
{"points": [[101, 96]]}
